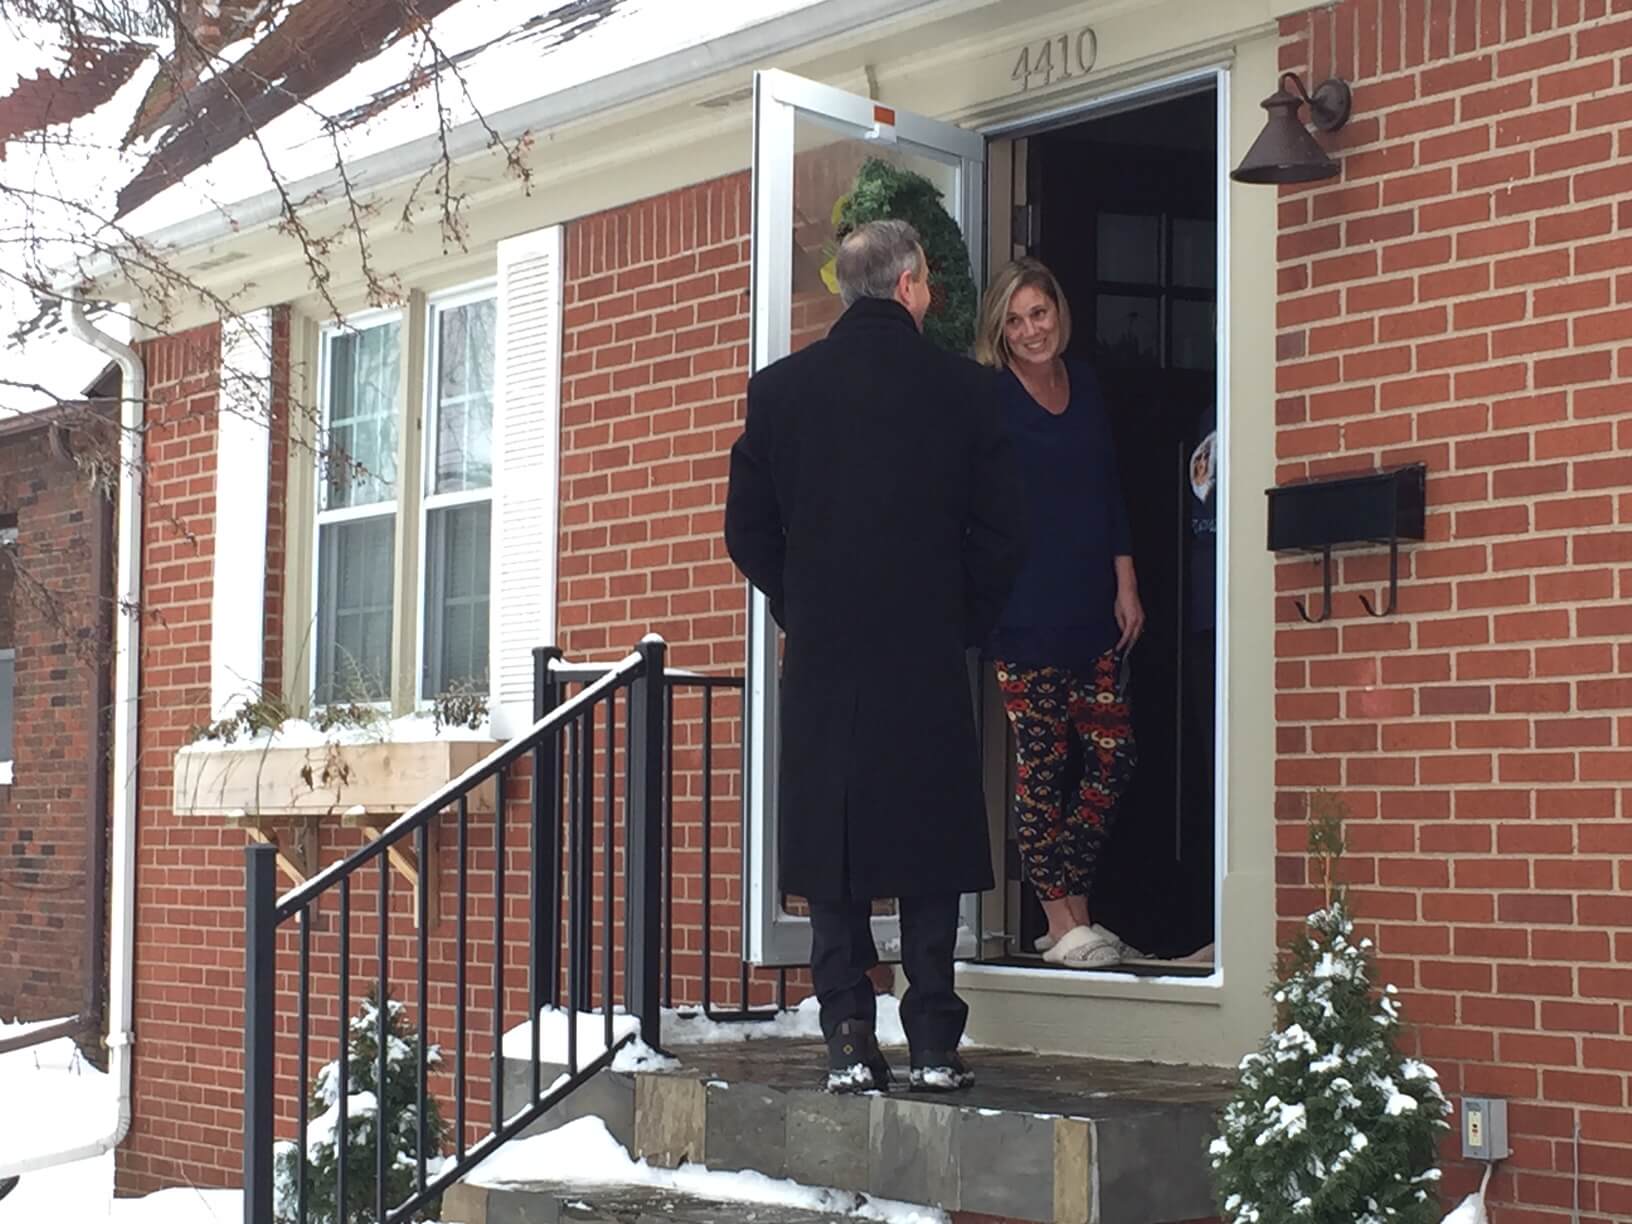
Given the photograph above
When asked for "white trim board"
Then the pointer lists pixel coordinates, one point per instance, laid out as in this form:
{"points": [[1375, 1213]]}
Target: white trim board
{"points": [[242, 483]]}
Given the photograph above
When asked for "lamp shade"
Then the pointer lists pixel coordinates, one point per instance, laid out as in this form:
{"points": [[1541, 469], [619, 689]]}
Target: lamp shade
{"points": [[1284, 152]]}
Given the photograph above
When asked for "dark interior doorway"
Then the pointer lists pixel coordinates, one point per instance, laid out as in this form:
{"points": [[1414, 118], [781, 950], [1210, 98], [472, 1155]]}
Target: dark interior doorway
{"points": [[1125, 212]]}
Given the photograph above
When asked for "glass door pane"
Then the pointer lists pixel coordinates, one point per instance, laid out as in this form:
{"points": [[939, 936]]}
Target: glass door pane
{"points": [[810, 142]]}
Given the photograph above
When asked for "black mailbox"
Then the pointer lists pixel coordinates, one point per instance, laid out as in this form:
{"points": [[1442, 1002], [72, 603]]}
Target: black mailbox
{"points": [[1360, 508]]}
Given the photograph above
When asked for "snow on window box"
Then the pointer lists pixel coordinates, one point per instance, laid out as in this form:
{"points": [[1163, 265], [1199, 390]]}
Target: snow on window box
{"points": [[355, 772]]}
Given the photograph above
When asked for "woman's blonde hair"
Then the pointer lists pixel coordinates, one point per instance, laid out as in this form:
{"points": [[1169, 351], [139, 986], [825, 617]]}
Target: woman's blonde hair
{"points": [[991, 347]]}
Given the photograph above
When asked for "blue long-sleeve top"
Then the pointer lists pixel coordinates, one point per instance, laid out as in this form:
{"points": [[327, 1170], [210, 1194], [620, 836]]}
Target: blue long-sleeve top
{"points": [[1062, 611]]}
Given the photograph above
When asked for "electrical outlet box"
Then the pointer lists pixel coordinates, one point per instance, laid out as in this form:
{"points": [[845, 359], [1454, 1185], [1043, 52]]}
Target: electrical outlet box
{"points": [[1484, 1128]]}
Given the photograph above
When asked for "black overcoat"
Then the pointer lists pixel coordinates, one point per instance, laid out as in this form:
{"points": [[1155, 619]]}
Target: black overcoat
{"points": [[875, 501]]}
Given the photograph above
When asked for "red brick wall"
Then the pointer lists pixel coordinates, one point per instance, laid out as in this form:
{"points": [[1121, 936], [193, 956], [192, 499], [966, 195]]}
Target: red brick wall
{"points": [[187, 1119], [277, 509], [655, 369], [188, 1000], [1462, 296], [55, 599]]}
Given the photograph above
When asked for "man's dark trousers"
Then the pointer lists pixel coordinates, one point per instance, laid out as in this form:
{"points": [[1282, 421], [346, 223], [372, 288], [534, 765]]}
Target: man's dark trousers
{"points": [[842, 950]]}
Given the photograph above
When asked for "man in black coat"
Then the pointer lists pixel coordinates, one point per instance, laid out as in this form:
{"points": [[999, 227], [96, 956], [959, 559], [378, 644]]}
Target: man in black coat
{"points": [[875, 501]]}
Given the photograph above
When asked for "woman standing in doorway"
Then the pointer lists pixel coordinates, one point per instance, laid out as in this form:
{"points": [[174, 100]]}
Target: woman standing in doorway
{"points": [[1061, 646]]}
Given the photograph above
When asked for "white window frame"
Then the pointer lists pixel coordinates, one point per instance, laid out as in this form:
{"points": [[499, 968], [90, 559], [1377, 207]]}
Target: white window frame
{"points": [[465, 295], [324, 517]]}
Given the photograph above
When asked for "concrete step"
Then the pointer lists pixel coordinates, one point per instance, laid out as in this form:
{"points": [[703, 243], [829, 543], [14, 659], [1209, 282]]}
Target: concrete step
{"points": [[1039, 1138], [564, 1203]]}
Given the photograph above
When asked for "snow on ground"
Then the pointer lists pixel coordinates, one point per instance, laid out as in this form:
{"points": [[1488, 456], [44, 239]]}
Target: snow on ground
{"points": [[55, 1100], [802, 1021], [584, 1153], [69, 1102], [1470, 1211], [681, 1028], [552, 1036]]}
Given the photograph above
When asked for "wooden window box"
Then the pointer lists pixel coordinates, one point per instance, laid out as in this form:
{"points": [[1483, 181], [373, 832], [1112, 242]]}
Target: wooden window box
{"points": [[278, 795]]}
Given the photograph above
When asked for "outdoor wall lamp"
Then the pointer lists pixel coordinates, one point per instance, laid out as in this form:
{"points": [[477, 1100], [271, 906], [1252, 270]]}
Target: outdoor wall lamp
{"points": [[1285, 152]]}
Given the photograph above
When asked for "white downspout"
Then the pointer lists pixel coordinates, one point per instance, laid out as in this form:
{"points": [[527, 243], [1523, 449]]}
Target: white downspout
{"points": [[127, 646]]}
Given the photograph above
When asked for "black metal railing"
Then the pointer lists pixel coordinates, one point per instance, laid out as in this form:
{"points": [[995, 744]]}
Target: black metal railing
{"points": [[558, 759], [621, 758], [702, 807]]}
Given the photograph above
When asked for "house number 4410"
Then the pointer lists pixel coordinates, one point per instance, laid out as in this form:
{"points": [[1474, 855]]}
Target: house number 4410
{"points": [[1059, 58]]}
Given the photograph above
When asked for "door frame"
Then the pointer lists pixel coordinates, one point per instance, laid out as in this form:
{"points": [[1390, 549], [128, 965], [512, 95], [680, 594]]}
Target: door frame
{"points": [[1148, 93]]}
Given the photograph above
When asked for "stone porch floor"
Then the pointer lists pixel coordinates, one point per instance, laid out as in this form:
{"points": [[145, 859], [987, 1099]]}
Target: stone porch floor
{"points": [[1040, 1138]]}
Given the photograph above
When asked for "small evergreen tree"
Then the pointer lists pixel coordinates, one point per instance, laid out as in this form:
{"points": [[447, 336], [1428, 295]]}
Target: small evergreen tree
{"points": [[1329, 1124], [362, 1125]]}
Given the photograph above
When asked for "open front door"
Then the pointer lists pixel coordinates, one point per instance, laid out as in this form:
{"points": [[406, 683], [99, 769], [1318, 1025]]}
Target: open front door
{"points": [[809, 142]]}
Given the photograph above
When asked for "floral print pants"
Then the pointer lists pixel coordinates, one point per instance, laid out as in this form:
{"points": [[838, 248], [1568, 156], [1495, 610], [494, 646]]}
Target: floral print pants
{"points": [[1060, 844]]}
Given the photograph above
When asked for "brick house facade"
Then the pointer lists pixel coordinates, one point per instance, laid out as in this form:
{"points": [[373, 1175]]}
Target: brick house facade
{"points": [[654, 368], [1461, 296], [55, 592]]}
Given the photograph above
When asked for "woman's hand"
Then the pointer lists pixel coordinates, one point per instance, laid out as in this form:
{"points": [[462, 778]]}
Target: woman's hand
{"points": [[1130, 613]]}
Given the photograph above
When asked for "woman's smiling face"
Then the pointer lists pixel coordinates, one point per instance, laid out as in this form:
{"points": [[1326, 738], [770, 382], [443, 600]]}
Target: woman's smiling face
{"points": [[1031, 329]]}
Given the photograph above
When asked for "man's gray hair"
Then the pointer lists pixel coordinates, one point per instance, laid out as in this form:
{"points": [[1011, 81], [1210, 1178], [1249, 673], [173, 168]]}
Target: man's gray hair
{"points": [[872, 258]]}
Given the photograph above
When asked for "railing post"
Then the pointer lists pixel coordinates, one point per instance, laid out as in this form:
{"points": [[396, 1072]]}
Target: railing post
{"points": [[260, 1013], [546, 921], [644, 956]]}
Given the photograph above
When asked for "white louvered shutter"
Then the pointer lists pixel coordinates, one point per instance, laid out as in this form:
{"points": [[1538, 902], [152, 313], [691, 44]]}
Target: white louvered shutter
{"points": [[242, 479], [525, 476]]}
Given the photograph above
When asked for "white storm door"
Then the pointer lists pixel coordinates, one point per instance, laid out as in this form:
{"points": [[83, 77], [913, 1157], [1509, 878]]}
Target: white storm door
{"points": [[809, 142]]}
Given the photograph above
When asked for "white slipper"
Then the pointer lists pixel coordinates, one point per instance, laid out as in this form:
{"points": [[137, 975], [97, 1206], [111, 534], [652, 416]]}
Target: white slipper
{"points": [[1073, 940], [1083, 948], [1124, 950]]}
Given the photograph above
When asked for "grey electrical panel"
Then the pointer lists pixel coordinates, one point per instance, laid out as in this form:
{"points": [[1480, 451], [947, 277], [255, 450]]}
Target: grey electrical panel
{"points": [[1484, 1128]]}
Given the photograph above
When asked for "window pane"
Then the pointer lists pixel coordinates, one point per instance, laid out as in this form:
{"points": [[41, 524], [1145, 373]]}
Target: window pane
{"points": [[1193, 345], [8, 676], [360, 460], [457, 554], [355, 568], [1129, 329], [1129, 248], [464, 398], [1195, 253]]}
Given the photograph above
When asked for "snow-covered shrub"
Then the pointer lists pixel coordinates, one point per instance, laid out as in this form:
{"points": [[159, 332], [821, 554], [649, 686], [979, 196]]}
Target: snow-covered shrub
{"points": [[1330, 1124], [362, 1126]]}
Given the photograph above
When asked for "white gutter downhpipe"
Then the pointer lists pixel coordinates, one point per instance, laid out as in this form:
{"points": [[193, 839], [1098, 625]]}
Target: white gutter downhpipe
{"points": [[127, 646]]}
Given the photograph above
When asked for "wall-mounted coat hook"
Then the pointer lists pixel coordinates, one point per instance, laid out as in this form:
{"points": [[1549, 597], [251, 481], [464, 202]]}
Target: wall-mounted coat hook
{"points": [[1393, 583], [1380, 507], [1326, 592]]}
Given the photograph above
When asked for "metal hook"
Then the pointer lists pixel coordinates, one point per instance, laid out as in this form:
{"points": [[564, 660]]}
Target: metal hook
{"points": [[1393, 582], [1326, 590]]}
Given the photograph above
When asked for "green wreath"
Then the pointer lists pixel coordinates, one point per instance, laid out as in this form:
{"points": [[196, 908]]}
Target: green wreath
{"points": [[886, 192]]}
